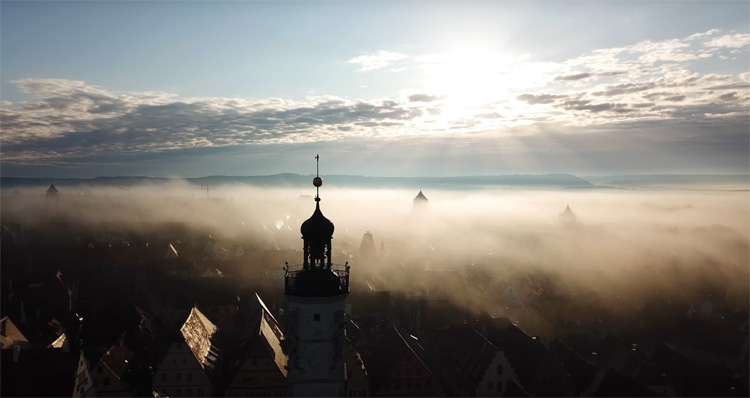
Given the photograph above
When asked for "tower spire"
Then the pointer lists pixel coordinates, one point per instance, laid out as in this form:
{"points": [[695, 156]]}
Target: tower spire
{"points": [[317, 181]]}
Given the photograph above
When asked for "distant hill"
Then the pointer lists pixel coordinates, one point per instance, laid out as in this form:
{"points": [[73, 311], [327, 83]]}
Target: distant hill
{"points": [[295, 180], [738, 180]]}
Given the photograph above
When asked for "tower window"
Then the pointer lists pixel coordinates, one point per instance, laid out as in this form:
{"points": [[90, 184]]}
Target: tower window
{"points": [[316, 317]]}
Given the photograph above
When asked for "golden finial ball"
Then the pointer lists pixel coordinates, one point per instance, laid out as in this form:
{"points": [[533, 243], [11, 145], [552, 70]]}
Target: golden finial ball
{"points": [[317, 181]]}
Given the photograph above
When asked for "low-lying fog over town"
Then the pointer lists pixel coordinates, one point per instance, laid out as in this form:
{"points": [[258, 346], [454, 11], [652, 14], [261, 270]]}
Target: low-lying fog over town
{"points": [[364, 198], [490, 290]]}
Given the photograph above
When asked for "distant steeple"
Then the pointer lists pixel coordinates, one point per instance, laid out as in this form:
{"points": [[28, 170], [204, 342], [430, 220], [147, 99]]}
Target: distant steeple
{"points": [[53, 199], [567, 217]]}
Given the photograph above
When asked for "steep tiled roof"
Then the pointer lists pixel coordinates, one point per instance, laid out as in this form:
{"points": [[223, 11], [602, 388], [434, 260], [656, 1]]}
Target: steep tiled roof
{"points": [[523, 352], [199, 334], [580, 371], [10, 334], [117, 360]]}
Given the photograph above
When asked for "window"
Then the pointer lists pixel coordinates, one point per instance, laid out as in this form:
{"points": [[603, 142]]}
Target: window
{"points": [[163, 377], [316, 317], [199, 393], [407, 384], [499, 369], [178, 377], [178, 391], [408, 371], [99, 369], [106, 381], [499, 386], [419, 371], [189, 376], [419, 383], [489, 385], [398, 385], [189, 392]]}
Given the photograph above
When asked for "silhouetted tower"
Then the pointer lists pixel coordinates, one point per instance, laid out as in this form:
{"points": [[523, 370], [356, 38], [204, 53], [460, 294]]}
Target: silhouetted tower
{"points": [[367, 247], [420, 201], [316, 292], [53, 199], [567, 217]]}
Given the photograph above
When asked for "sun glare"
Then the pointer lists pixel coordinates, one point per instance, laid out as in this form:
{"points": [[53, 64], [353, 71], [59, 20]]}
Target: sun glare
{"points": [[467, 78]]}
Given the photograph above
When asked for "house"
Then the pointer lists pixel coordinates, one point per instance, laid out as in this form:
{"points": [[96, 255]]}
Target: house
{"points": [[259, 364], [580, 371], [537, 369], [110, 374], [396, 370], [84, 383], [357, 379], [470, 365], [187, 367], [180, 373]]}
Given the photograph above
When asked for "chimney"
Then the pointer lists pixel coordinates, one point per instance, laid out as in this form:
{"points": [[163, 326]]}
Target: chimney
{"points": [[16, 352]]}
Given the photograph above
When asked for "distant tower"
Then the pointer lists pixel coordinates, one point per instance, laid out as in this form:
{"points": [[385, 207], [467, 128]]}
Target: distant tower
{"points": [[420, 201], [567, 217], [316, 292], [53, 200], [367, 247]]}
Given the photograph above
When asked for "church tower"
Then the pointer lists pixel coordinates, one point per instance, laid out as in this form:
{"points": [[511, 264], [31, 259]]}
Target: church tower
{"points": [[53, 199], [316, 291]]}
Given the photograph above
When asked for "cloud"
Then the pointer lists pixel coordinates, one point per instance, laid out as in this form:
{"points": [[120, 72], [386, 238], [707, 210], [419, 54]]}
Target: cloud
{"points": [[647, 82], [703, 35], [586, 75], [379, 59], [539, 99], [75, 119], [423, 98], [578, 76], [728, 96], [625, 88], [736, 40]]}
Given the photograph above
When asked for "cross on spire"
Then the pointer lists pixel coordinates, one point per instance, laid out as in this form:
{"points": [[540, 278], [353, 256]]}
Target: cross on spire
{"points": [[317, 181]]}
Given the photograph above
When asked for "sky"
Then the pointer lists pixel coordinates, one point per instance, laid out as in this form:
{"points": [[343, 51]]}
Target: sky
{"points": [[402, 88]]}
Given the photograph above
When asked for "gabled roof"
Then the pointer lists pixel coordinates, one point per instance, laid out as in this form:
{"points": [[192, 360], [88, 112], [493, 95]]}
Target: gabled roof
{"points": [[420, 196], [117, 360], [10, 334], [199, 334], [523, 352], [471, 353], [52, 189], [386, 354], [580, 371]]}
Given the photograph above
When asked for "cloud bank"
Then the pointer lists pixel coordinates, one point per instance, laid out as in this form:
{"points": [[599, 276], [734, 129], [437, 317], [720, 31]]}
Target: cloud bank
{"points": [[648, 85]]}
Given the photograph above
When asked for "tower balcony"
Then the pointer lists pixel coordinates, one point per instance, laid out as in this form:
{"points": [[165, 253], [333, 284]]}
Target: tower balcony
{"points": [[316, 281]]}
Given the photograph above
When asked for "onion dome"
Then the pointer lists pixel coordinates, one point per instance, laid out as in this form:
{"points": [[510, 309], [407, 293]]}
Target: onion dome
{"points": [[317, 227]]}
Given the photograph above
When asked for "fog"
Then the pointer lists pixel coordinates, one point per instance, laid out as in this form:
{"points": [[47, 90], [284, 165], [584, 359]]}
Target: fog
{"points": [[622, 244]]}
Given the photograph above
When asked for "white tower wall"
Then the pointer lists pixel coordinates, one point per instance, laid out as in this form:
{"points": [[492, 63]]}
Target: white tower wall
{"points": [[315, 331]]}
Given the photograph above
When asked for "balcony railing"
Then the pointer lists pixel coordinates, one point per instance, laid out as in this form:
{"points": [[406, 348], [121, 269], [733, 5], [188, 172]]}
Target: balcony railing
{"points": [[316, 282]]}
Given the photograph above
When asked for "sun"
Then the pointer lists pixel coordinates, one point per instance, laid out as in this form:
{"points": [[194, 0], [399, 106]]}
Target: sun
{"points": [[467, 78]]}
